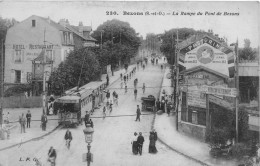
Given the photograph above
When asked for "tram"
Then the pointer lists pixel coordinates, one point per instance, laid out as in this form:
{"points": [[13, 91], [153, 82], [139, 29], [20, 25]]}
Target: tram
{"points": [[75, 104]]}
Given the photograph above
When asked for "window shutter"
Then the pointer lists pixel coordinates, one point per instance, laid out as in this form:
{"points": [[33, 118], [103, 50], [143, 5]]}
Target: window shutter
{"points": [[62, 37], [22, 76], [22, 56], [13, 54]]}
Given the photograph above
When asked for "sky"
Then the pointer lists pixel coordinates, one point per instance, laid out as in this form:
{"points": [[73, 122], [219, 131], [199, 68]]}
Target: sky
{"points": [[241, 26]]}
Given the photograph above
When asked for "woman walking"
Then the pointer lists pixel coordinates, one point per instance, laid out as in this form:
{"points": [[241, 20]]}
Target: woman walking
{"points": [[134, 144], [152, 148]]}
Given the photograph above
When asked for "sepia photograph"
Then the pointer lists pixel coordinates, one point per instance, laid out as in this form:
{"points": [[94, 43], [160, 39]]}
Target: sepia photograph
{"points": [[129, 83]]}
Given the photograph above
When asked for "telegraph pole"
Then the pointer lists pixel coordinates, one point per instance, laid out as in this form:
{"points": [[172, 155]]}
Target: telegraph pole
{"points": [[172, 63], [177, 79], [2, 82], [44, 81]]}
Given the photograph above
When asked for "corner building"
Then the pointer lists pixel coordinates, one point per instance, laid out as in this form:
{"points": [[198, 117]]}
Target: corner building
{"points": [[26, 40]]}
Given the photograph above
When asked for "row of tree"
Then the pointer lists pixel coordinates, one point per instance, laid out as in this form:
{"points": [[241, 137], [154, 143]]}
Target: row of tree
{"points": [[119, 42]]}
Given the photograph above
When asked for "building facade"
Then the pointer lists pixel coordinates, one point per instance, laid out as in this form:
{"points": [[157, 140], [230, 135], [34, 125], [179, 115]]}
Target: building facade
{"points": [[209, 64], [26, 40]]}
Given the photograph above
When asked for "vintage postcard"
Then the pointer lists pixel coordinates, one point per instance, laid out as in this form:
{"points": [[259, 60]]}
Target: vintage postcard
{"points": [[129, 83]]}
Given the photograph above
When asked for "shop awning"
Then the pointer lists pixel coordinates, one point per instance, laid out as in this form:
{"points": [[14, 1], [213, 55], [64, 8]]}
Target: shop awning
{"points": [[68, 99]]}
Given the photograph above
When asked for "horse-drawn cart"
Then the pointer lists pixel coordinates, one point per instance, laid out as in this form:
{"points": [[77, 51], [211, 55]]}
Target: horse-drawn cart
{"points": [[148, 103]]}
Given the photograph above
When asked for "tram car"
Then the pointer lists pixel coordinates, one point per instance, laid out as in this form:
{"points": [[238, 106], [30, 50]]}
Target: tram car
{"points": [[75, 104]]}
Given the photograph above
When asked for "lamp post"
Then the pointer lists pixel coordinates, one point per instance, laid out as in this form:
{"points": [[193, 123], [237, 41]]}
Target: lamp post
{"points": [[88, 132]]}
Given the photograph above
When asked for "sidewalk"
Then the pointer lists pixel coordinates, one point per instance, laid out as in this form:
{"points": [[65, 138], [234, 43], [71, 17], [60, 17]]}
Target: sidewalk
{"points": [[35, 131], [190, 147]]}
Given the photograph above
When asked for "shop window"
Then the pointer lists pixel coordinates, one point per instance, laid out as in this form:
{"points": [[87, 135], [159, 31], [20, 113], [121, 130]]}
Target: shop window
{"points": [[18, 56], [33, 23], [17, 76]]}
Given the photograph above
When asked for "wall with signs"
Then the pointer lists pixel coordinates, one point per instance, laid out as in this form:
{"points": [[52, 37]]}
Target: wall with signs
{"points": [[208, 56], [25, 42]]}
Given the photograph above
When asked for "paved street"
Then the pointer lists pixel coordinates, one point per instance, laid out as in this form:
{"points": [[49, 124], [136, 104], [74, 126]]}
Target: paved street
{"points": [[112, 137]]}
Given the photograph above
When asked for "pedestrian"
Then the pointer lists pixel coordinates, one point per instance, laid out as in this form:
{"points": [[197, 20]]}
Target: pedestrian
{"points": [[124, 78], [111, 105], [52, 156], [163, 105], [104, 112], [28, 117], [107, 80], [22, 122], [143, 66], [143, 87], [161, 67], [91, 123], [140, 141], [86, 118], [121, 76], [68, 138], [152, 147], [125, 88], [138, 113], [127, 77], [134, 144], [44, 121], [135, 93], [158, 104], [107, 95]]}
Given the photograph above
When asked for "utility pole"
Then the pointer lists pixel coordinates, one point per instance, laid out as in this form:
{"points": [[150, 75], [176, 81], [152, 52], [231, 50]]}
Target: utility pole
{"points": [[2, 83], [237, 88], [172, 62], [176, 87], [44, 81]]}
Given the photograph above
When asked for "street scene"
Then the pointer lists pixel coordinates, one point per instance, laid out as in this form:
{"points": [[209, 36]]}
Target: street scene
{"points": [[131, 85]]}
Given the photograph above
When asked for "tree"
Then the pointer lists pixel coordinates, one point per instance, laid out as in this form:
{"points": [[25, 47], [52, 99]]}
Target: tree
{"points": [[117, 36], [169, 41], [247, 53], [67, 75]]}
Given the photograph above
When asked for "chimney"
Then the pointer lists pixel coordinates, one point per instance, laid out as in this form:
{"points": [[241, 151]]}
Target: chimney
{"points": [[62, 22], [81, 28]]}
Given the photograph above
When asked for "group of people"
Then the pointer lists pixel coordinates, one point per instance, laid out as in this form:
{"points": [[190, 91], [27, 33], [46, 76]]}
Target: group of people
{"points": [[125, 78], [138, 140], [162, 104], [25, 120]]}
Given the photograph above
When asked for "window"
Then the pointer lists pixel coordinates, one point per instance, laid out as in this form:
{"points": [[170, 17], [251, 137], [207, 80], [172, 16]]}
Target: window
{"points": [[18, 56], [49, 54], [33, 23], [17, 76], [65, 37]]}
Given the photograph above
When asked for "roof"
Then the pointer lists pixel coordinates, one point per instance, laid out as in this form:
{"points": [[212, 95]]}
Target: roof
{"points": [[76, 31], [54, 24], [198, 68], [198, 37], [85, 28], [40, 57], [68, 99]]}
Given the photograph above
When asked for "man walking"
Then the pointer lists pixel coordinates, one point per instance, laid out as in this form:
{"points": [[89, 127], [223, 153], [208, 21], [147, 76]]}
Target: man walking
{"points": [[143, 87], [107, 80], [135, 93], [28, 117], [138, 113], [44, 121], [68, 138], [22, 122], [140, 141]]}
